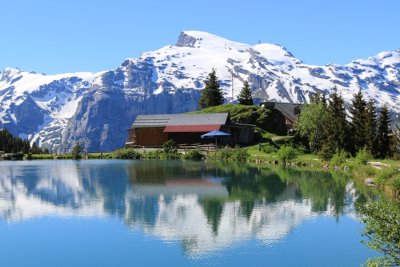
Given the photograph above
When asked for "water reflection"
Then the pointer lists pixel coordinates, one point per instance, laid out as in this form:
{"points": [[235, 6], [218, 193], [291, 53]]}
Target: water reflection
{"points": [[206, 207]]}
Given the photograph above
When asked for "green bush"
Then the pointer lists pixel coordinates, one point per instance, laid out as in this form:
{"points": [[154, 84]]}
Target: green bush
{"points": [[386, 175], [362, 157], [286, 153], [338, 158], [170, 150], [395, 182], [267, 148], [194, 154], [225, 153], [126, 153], [239, 154], [153, 154], [233, 154], [325, 153]]}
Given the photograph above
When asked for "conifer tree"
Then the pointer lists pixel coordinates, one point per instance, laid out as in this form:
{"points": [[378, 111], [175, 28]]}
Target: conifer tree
{"points": [[323, 101], [11, 144], [76, 152], [395, 143], [357, 125], [337, 127], [370, 127], [211, 94], [245, 97], [383, 139]]}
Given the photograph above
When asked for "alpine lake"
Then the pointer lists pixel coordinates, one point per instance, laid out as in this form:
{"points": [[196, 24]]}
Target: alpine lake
{"points": [[177, 213]]}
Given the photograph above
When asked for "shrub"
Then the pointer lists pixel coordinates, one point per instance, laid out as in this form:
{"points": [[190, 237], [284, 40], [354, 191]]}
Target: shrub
{"points": [[126, 153], [267, 148], [170, 150], [339, 158], [194, 154], [325, 153], [286, 153], [362, 157], [364, 171], [153, 154], [395, 182], [225, 153], [386, 175], [239, 154]]}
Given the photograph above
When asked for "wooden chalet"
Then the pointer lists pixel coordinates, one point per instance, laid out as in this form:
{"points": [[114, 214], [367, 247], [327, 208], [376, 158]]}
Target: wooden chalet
{"points": [[290, 111], [186, 129]]}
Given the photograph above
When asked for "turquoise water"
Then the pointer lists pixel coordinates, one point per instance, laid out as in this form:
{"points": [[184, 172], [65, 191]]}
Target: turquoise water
{"points": [[175, 213]]}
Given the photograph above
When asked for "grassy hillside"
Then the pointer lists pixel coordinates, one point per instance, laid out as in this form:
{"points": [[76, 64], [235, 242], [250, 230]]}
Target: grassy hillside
{"points": [[266, 119]]}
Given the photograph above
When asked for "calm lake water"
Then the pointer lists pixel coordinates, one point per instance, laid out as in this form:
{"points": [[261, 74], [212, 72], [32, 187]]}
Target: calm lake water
{"points": [[176, 213]]}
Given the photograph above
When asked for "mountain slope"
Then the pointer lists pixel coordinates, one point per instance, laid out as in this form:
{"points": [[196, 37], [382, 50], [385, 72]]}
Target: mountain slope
{"points": [[96, 109]]}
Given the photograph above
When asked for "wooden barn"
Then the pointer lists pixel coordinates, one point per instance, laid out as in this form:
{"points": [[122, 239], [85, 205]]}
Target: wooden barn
{"points": [[186, 129]]}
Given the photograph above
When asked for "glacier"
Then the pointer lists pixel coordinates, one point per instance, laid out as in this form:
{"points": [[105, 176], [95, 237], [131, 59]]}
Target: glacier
{"points": [[96, 109]]}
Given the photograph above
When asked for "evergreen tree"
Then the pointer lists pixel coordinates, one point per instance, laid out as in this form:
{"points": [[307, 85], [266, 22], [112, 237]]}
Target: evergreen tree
{"points": [[337, 127], [395, 143], [11, 144], [245, 97], [211, 94], [370, 128], [383, 139], [323, 102], [357, 125], [76, 152]]}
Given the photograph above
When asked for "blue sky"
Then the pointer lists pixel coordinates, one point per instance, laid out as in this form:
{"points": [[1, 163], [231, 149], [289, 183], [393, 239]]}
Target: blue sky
{"points": [[54, 36]]}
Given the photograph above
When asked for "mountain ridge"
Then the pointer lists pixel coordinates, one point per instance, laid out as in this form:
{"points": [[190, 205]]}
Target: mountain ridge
{"points": [[97, 108]]}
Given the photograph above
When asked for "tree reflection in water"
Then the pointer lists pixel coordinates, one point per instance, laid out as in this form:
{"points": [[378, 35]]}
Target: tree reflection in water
{"points": [[206, 206]]}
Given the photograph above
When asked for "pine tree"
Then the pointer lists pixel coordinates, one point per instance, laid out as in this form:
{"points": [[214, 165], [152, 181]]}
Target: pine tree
{"points": [[337, 128], [245, 97], [76, 152], [370, 128], [357, 125], [11, 144], [395, 143], [211, 94], [383, 139]]}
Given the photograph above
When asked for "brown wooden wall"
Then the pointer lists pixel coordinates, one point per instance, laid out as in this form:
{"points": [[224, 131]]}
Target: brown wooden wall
{"points": [[148, 136]]}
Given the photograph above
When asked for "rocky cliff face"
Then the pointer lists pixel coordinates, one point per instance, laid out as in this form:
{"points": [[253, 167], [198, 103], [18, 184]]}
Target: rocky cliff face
{"points": [[96, 109]]}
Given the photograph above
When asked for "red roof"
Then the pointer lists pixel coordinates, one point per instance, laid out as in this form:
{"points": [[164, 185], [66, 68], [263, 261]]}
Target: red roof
{"points": [[191, 128]]}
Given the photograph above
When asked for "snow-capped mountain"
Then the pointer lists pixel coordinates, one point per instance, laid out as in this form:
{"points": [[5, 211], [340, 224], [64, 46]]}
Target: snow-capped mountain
{"points": [[96, 109]]}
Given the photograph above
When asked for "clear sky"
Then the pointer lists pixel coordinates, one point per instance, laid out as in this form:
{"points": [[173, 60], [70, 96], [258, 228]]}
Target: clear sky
{"points": [[54, 36]]}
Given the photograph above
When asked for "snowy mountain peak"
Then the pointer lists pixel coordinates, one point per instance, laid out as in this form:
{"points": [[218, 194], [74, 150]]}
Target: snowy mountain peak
{"points": [[95, 109], [197, 39]]}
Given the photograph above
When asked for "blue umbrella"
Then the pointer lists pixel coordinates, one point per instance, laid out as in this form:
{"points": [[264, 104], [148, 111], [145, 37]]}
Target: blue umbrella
{"points": [[214, 134]]}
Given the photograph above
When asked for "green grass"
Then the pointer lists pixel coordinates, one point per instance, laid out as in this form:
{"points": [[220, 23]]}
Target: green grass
{"points": [[266, 120], [42, 156]]}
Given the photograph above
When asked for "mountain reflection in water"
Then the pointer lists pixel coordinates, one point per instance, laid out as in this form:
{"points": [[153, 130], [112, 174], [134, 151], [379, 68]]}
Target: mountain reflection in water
{"points": [[205, 206]]}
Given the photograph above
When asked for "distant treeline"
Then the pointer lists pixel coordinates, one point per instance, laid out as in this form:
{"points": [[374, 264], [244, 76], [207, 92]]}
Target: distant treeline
{"points": [[11, 144]]}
